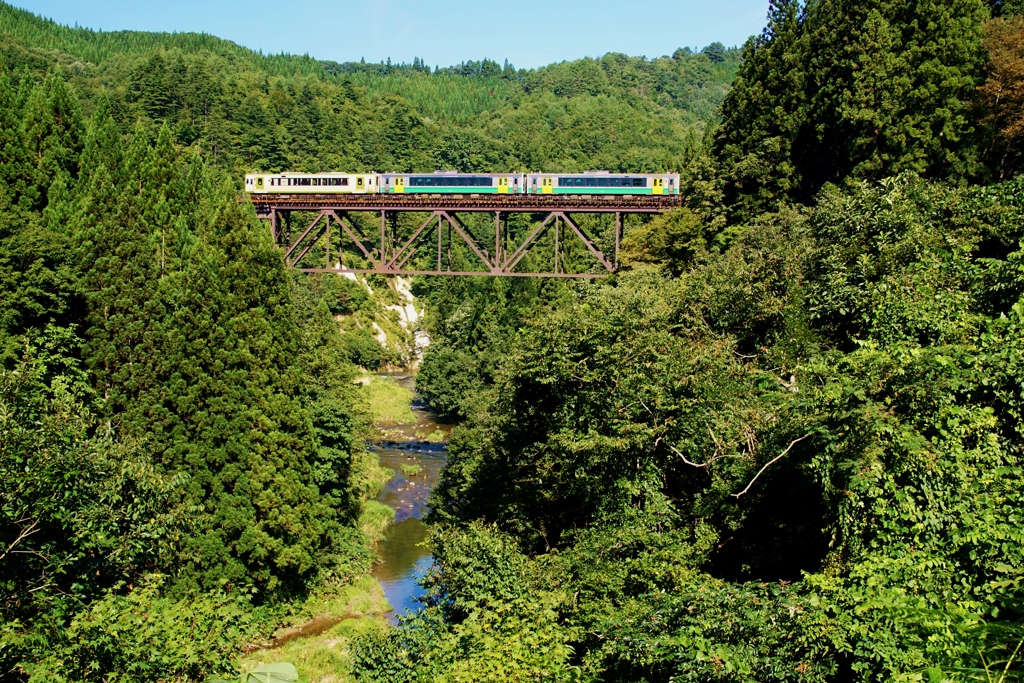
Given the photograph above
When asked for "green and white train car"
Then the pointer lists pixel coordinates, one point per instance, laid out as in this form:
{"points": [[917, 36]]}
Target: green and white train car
{"points": [[602, 183], [452, 182], [312, 183]]}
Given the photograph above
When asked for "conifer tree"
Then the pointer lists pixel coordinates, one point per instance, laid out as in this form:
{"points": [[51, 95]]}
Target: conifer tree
{"points": [[225, 409], [764, 112], [36, 285], [160, 203], [54, 130], [118, 279], [17, 173], [102, 146], [842, 88]]}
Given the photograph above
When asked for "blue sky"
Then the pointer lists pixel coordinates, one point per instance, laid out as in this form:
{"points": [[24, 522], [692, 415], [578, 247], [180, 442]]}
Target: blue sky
{"points": [[441, 32]]}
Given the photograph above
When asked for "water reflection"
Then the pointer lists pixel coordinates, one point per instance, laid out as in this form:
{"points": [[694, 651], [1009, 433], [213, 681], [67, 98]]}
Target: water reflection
{"points": [[404, 560]]}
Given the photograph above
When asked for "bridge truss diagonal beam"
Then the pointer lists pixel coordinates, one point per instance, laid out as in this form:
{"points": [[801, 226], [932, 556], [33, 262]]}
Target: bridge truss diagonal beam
{"points": [[356, 236], [598, 254], [468, 239], [395, 251]]}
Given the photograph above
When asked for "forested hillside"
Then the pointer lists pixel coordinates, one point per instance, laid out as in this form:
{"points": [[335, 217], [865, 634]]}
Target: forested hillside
{"points": [[784, 444], [182, 459]]}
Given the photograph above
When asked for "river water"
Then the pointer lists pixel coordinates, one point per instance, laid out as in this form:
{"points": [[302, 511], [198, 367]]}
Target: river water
{"points": [[403, 559]]}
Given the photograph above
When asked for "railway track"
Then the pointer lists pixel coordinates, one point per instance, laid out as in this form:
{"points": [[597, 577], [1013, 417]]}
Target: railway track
{"points": [[265, 204]]}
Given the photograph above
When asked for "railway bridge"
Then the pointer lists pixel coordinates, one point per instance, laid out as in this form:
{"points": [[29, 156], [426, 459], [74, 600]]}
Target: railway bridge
{"points": [[340, 226]]}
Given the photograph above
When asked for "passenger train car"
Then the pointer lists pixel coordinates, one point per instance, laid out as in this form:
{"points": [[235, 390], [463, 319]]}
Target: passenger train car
{"points": [[603, 182], [453, 182], [312, 183]]}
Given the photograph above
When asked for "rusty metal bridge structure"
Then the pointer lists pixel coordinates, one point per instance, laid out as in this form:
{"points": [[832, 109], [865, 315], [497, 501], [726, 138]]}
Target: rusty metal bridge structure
{"points": [[390, 252]]}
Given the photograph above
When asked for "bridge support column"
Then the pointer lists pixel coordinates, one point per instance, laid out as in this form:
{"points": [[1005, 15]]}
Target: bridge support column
{"points": [[618, 237]]}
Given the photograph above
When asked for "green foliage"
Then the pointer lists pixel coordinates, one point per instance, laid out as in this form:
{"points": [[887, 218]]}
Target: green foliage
{"points": [[672, 239], [446, 381], [501, 627], [81, 510], [140, 636], [390, 403], [375, 519], [868, 90], [786, 449], [172, 402], [827, 397]]}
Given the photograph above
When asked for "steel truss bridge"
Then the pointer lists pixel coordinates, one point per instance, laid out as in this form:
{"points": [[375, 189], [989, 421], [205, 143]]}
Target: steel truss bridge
{"points": [[390, 253]]}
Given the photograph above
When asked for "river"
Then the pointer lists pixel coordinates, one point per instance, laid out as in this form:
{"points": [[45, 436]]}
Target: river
{"points": [[403, 559]]}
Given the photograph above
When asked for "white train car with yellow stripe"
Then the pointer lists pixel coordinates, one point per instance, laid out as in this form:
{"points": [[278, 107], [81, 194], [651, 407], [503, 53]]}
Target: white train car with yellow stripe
{"points": [[312, 183]]}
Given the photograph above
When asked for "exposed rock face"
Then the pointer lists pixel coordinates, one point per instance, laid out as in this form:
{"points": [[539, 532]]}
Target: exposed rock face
{"points": [[409, 318]]}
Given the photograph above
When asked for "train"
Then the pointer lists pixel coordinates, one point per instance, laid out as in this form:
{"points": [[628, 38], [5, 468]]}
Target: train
{"points": [[454, 182]]}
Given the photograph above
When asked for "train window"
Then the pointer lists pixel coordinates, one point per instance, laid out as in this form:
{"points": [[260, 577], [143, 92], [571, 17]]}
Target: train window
{"points": [[591, 182], [602, 182], [344, 181], [639, 182]]}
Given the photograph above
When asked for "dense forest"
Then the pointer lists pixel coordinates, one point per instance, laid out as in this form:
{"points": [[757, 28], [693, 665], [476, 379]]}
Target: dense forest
{"points": [[784, 443]]}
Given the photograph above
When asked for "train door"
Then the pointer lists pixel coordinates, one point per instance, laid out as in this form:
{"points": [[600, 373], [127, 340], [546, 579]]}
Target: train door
{"points": [[659, 186], [259, 182], [399, 185], [547, 185], [502, 185], [360, 183]]}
